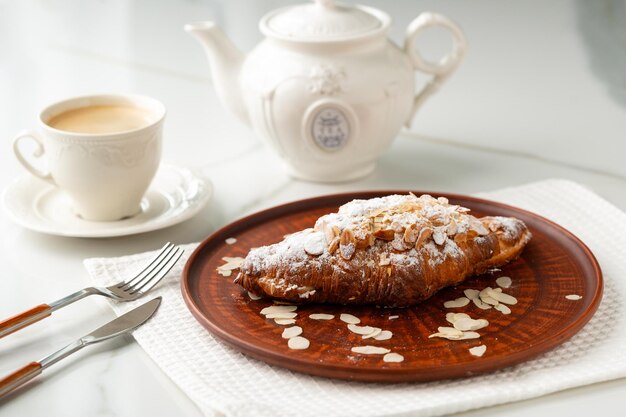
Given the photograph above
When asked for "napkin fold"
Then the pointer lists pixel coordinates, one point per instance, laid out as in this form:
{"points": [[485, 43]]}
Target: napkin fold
{"points": [[223, 381]]}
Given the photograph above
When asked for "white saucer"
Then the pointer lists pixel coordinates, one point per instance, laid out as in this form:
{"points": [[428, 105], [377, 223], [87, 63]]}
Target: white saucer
{"points": [[176, 194]]}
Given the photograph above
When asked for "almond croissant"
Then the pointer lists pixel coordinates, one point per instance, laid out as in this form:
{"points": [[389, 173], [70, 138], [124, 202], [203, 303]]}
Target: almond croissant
{"points": [[391, 251]]}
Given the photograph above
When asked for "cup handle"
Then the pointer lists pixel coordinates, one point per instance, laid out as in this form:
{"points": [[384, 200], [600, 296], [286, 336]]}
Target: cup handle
{"points": [[441, 70], [39, 151]]}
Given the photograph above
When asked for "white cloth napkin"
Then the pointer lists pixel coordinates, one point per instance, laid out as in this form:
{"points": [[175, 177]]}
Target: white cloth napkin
{"points": [[223, 381]]}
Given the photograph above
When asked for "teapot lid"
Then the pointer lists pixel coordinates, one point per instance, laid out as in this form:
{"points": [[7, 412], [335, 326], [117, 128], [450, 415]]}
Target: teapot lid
{"points": [[323, 21]]}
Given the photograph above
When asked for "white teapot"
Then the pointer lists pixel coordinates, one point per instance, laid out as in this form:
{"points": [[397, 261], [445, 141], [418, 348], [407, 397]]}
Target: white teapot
{"points": [[326, 88]]}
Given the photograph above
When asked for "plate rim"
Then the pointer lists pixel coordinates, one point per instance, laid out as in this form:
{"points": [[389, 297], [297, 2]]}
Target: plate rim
{"points": [[398, 374]]}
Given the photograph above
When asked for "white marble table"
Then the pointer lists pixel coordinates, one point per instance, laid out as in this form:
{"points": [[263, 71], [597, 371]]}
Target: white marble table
{"points": [[542, 94]]}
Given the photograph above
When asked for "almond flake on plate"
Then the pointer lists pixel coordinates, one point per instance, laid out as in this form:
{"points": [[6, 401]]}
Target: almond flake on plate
{"points": [[393, 317], [503, 308], [253, 296], [290, 332], [574, 297], [362, 330], [321, 316], [231, 241], [478, 350], [279, 309], [471, 293], [284, 322], [481, 304], [459, 302], [393, 357], [349, 318], [370, 350], [298, 343], [503, 297], [225, 272], [451, 333], [465, 324], [452, 317], [281, 315], [230, 265], [384, 335], [375, 333], [504, 282]]}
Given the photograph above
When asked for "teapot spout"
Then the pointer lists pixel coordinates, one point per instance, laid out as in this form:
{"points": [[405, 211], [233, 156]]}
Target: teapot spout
{"points": [[225, 61]]}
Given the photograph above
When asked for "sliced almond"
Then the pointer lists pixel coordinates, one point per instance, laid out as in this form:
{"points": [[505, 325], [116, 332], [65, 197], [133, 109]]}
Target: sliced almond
{"points": [[347, 244], [231, 241], [349, 318], [290, 332], [393, 317], [465, 324], [452, 228], [439, 236], [399, 244], [490, 300], [377, 331], [452, 317], [321, 316], [469, 335], [333, 245], [298, 343], [478, 350], [503, 297], [410, 234], [574, 297], [370, 350], [279, 309], [423, 236], [347, 251], [281, 315], [284, 322], [362, 330], [253, 296], [504, 282], [393, 357], [231, 264], [450, 331], [459, 302], [471, 294], [503, 308], [481, 304], [385, 234], [315, 243], [384, 335], [225, 272], [329, 232]]}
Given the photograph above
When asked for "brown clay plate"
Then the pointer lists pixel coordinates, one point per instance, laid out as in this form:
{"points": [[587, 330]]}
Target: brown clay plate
{"points": [[554, 264]]}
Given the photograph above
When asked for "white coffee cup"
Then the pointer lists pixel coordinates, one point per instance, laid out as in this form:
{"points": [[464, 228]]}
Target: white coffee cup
{"points": [[101, 150]]}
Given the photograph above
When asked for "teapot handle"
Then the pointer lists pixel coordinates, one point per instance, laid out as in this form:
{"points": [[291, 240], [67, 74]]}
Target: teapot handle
{"points": [[441, 70]]}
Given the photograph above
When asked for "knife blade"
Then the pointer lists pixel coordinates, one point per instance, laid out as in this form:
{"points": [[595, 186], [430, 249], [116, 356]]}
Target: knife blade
{"points": [[116, 327]]}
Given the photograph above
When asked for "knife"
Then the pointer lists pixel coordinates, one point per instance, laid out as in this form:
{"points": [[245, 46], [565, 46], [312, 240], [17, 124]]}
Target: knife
{"points": [[121, 325]]}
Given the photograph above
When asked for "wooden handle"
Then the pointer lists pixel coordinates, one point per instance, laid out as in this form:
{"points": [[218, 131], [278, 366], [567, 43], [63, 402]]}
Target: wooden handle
{"points": [[19, 377], [24, 319]]}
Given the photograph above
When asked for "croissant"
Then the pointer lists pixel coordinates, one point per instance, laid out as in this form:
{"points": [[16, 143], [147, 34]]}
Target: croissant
{"points": [[391, 251]]}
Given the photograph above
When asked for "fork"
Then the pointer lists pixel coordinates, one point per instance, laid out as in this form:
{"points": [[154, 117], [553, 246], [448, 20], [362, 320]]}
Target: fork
{"points": [[127, 290]]}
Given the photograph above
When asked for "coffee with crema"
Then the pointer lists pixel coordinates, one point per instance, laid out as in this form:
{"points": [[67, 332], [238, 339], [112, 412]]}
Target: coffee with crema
{"points": [[101, 119]]}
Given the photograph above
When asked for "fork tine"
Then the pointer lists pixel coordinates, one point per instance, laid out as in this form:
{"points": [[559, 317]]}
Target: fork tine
{"points": [[160, 274], [154, 263], [149, 275]]}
